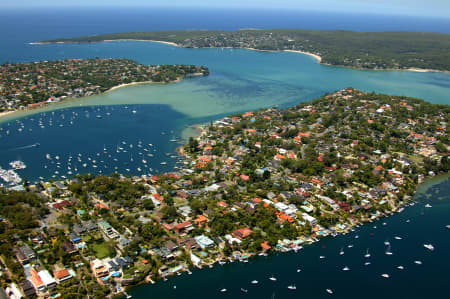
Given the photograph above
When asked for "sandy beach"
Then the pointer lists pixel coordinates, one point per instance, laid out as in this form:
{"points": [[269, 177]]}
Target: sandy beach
{"points": [[6, 113], [306, 53]]}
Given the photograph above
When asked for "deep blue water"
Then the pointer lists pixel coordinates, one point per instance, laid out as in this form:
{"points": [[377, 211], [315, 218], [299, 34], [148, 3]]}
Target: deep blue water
{"points": [[79, 137]]}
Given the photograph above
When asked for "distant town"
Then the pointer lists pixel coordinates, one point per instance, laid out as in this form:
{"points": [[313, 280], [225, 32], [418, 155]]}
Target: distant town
{"points": [[251, 183], [32, 85]]}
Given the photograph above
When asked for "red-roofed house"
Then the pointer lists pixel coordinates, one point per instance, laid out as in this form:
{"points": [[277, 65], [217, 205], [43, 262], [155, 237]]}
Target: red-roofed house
{"points": [[242, 233]]}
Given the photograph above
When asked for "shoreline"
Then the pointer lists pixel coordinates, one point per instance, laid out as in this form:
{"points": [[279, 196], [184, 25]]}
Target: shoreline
{"points": [[317, 57], [428, 181], [6, 113], [2, 114]]}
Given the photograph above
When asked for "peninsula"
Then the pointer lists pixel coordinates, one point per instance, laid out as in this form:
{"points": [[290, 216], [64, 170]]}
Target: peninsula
{"points": [[32, 85], [252, 183], [367, 50]]}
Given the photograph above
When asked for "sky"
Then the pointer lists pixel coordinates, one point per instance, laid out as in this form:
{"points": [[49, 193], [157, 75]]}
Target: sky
{"points": [[433, 8]]}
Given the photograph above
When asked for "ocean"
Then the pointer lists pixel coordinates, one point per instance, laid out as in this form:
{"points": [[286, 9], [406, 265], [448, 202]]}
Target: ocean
{"points": [[104, 128]]}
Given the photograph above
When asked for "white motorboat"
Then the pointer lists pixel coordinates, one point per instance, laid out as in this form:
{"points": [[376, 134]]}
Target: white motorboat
{"points": [[428, 246], [329, 291], [292, 287], [385, 275]]}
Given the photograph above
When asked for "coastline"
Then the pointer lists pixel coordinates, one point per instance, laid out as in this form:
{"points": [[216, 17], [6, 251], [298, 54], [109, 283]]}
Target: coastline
{"points": [[317, 57]]}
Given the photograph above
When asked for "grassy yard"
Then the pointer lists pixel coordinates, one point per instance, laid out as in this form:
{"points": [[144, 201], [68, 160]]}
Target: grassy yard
{"points": [[101, 250]]}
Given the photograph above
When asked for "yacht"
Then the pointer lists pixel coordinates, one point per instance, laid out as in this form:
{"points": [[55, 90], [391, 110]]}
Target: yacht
{"points": [[367, 255], [418, 262], [254, 281], [397, 238], [223, 290], [299, 270], [329, 291], [321, 257], [292, 287], [428, 246], [400, 267], [272, 278], [385, 275]]}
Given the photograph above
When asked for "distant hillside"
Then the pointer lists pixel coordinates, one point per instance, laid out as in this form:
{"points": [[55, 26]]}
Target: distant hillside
{"points": [[369, 50]]}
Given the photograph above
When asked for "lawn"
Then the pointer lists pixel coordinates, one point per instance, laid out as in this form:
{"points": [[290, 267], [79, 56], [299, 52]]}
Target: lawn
{"points": [[101, 250]]}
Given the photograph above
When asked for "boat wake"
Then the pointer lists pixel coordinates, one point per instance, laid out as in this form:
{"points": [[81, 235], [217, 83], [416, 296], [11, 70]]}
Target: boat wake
{"points": [[25, 147]]}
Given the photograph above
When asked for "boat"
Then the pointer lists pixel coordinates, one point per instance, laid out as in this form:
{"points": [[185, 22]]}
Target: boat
{"points": [[387, 243], [299, 270], [134, 111], [163, 163], [321, 257], [367, 255], [254, 281], [127, 295], [428, 205], [448, 226], [400, 267], [292, 287], [397, 238], [350, 246], [329, 291], [223, 290], [48, 156], [346, 268], [17, 165], [428, 246], [367, 263], [272, 278], [341, 252], [388, 251], [385, 275], [244, 290], [418, 262]]}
